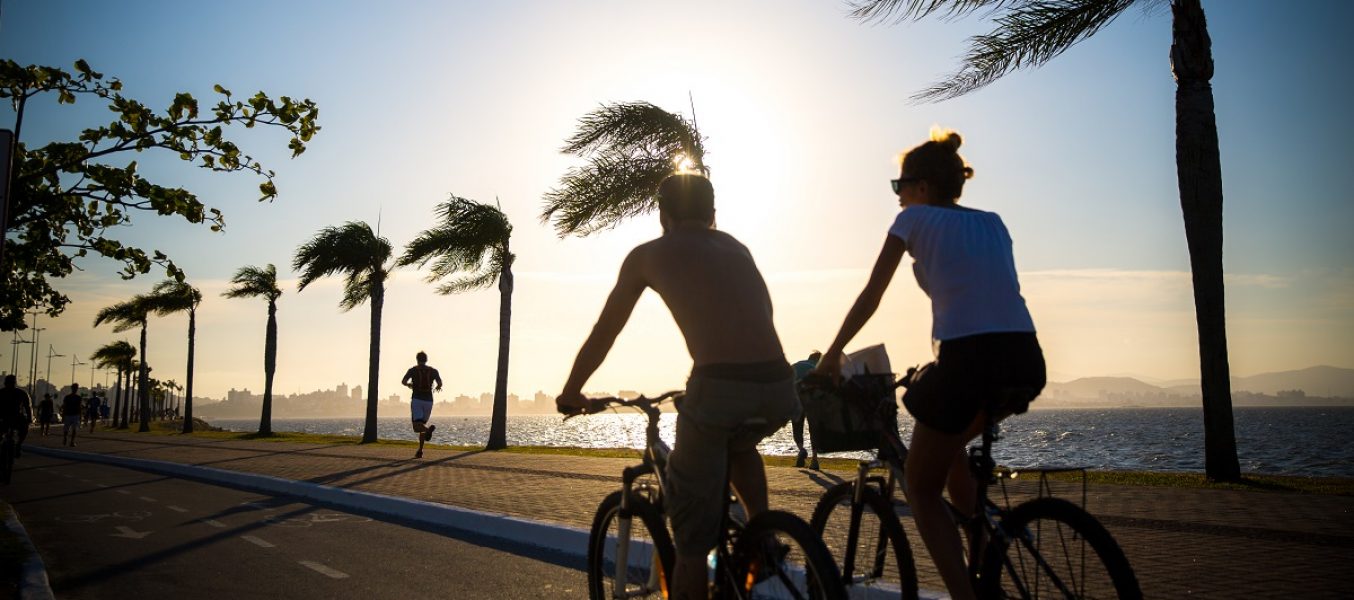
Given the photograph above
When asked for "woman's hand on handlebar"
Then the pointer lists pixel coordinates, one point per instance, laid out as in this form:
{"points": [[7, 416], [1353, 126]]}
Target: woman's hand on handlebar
{"points": [[829, 368], [572, 403]]}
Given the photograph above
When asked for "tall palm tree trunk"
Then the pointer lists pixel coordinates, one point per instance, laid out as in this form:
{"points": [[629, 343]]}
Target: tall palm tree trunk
{"points": [[498, 428], [188, 389], [374, 368], [143, 388], [117, 399], [1199, 170], [269, 366]]}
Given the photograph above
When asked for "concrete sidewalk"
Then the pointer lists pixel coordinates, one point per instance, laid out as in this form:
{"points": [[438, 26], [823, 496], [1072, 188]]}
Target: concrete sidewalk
{"points": [[1211, 543]]}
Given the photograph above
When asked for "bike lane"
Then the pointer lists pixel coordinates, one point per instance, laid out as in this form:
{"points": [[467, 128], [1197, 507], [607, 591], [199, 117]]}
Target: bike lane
{"points": [[112, 532]]}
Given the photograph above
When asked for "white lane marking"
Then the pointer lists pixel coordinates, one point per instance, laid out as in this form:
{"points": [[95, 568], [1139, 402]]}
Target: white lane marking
{"points": [[127, 532], [176, 508], [148, 499], [124, 492], [323, 570], [101, 485], [214, 523], [256, 541]]}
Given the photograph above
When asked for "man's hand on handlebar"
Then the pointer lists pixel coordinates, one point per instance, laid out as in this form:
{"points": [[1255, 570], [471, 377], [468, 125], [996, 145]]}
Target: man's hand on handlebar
{"points": [[572, 403]]}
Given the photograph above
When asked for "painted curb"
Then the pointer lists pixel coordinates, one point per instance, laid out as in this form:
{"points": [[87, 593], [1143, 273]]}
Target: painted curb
{"points": [[33, 584], [563, 539]]}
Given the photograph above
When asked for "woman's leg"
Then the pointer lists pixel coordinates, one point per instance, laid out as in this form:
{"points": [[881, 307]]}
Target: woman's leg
{"points": [[929, 461]]}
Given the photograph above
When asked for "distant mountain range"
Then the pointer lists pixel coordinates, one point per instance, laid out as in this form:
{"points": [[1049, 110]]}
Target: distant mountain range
{"points": [[1323, 385]]}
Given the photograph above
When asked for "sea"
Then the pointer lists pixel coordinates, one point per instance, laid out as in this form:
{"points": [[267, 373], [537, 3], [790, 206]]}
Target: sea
{"points": [[1308, 441]]}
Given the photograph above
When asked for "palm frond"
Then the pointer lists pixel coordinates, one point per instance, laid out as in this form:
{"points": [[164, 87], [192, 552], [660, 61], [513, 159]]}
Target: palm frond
{"points": [[125, 315], [608, 190], [1028, 34], [630, 147], [915, 10], [351, 249], [252, 282], [173, 296], [113, 355], [470, 239]]}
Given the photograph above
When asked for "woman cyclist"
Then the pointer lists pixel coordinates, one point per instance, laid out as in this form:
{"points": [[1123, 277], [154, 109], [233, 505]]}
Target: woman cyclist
{"points": [[986, 342]]}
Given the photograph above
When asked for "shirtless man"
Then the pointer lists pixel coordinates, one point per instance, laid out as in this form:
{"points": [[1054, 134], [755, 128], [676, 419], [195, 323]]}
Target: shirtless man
{"points": [[720, 302], [420, 379]]}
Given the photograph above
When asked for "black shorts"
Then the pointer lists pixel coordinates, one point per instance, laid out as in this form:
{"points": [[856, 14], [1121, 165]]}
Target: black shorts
{"points": [[970, 372]]}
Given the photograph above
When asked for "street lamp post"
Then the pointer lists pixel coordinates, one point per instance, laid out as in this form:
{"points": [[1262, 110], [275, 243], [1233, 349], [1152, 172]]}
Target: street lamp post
{"points": [[33, 370], [14, 360], [51, 353], [75, 362]]}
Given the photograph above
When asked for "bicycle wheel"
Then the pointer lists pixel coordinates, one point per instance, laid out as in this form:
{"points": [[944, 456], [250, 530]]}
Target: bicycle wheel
{"points": [[649, 552], [779, 556], [880, 556], [1055, 550]]}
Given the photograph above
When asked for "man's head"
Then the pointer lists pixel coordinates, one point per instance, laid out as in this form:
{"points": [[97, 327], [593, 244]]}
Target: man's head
{"points": [[686, 197], [75, 388], [9, 381], [421, 357]]}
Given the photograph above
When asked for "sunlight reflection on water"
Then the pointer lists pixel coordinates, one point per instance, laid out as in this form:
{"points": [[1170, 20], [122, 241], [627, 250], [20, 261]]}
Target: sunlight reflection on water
{"points": [[1307, 441]]}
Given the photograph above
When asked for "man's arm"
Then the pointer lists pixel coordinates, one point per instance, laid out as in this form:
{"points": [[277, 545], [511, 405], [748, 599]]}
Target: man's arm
{"points": [[630, 285], [408, 380], [438, 378]]}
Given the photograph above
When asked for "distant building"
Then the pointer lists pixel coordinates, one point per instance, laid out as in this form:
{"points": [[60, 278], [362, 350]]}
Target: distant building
{"points": [[238, 395], [544, 398], [342, 390], [357, 392]]}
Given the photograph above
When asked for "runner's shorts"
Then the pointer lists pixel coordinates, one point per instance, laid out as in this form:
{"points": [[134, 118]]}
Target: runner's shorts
{"points": [[969, 372], [421, 409], [710, 428]]}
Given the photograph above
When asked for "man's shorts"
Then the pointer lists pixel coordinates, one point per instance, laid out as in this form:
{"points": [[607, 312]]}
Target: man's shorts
{"points": [[970, 372], [711, 427], [421, 409], [70, 422]]}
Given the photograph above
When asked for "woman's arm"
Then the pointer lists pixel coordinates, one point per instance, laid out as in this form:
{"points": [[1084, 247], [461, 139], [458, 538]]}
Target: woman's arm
{"points": [[866, 303]]}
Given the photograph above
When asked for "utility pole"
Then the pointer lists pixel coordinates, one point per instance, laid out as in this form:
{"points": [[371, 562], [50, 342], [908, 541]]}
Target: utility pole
{"points": [[33, 371], [14, 360]]}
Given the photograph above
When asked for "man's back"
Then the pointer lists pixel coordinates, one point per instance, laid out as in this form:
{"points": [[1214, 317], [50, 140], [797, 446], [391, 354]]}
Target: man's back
{"points": [[70, 405], [715, 292], [14, 403]]}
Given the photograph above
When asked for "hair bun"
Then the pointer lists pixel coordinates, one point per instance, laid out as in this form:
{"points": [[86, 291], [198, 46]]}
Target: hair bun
{"points": [[948, 138]]}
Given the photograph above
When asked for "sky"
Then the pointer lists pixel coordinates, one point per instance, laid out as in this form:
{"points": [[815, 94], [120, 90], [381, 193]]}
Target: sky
{"points": [[805, 112]]}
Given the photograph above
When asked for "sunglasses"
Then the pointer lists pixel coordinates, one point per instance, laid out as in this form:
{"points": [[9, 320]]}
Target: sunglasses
{"points": [[901, 181]]}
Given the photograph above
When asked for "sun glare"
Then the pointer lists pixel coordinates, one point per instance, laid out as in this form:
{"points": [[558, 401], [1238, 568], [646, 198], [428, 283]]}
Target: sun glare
{"points": [[684, 164]]}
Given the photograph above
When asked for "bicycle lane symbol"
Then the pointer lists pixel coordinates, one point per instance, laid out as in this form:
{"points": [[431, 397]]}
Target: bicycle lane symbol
{"points": [[122, 531], [316, 518]]}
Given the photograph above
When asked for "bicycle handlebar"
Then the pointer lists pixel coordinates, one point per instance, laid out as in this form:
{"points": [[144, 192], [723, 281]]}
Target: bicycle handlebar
{"points": [[596, 405]]}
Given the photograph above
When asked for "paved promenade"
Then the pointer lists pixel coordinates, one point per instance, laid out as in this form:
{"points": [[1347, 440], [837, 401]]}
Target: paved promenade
{"points": [[1203, 543]]}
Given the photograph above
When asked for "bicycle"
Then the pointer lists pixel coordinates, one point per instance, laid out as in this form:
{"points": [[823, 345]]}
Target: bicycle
{"points": [[1042, 548], [630, 552]]}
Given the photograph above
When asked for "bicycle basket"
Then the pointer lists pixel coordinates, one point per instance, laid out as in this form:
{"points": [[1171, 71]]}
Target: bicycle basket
{"points": [[850, 417]]}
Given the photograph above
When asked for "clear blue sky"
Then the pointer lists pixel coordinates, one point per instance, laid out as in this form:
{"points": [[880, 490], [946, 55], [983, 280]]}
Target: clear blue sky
{"points": [[805, 111]]}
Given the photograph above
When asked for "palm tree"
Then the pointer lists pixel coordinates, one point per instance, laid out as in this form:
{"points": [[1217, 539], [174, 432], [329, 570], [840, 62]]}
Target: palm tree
{"points": [[254, 282], [115, 355], [172, 296], [470, 243], [361, 256], [630, 148], [125, 316], [1033, 32]]}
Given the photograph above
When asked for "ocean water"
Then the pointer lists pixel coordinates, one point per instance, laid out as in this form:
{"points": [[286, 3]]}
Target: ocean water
{"points": [[1293, 441]]}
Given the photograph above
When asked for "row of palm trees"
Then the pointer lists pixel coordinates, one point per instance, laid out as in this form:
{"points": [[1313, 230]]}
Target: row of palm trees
{"points": [[467, 249]]}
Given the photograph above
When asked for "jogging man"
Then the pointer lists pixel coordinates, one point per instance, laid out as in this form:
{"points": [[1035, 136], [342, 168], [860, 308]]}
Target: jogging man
{"points": [[16, 412], [71, 407], [720, 302], [420, 378]]}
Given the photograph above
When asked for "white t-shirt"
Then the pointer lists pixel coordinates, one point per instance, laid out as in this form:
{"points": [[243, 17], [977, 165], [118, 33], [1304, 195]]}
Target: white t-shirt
{"points": [[963, 261]]}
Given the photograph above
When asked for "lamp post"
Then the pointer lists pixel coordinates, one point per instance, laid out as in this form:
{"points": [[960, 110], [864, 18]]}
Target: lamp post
{"points": [[75, 362], [14, 360], [33, 360], [51, 353]]}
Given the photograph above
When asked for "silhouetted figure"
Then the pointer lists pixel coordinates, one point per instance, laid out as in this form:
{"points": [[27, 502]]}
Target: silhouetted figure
{"points": [[92, 411], [802, 368], [71, 406], [16, 412], [420, 378], [962, 259], [46, 414], [720, 302]]}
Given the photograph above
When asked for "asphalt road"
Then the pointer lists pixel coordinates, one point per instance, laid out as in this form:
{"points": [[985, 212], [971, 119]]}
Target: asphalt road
{"points": [[108, 532]]}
